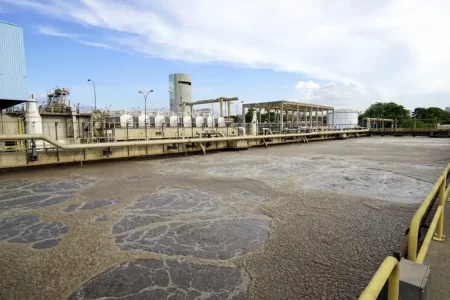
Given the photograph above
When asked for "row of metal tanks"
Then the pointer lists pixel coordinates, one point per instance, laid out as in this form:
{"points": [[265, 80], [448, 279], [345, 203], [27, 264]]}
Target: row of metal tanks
{"points": [[160, 119]]}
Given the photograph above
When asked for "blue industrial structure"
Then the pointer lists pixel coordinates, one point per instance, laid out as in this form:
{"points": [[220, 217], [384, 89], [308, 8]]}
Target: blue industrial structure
{"points": [[13, 75]]}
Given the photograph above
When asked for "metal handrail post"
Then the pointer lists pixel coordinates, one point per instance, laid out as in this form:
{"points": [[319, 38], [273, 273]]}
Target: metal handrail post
{"points": [[388, 270], [439, 236]]}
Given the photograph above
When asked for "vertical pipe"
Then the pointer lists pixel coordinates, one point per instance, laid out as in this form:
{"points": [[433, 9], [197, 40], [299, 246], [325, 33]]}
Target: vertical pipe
{"points": [[440, 224], [282, 117], [317, 117], [221, 107], [56, 137], [332, 124], [243, 116], [298, 116], [321, 114], [306, 116], [1, 121], [92, 128], [394, 283]]}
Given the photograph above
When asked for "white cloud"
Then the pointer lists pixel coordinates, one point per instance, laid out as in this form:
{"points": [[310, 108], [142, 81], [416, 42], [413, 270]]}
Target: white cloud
{"points": [[394, 48], [334, 94], [307, 85], [51, 31], [99, 45]]}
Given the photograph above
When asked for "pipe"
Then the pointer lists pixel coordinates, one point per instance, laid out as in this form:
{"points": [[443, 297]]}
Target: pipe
{"points": [[267, 129], [202, 147], [15, 137]]}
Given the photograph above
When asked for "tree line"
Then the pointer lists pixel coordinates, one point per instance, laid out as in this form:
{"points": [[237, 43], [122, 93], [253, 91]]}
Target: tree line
{"points": [[420, 117]]}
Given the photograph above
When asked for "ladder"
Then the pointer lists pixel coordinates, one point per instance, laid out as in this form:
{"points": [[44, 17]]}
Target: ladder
{"points": [[20, 130]]}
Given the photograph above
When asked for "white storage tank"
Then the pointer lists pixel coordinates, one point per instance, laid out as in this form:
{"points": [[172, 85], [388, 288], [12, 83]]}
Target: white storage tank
{"points": [[33, 121], [221, 122], [126, 119], [199, 121], [143, 119], [173, 120], [187, 120], [343, 118], [210, 121], [159, 120], [151, 119]]}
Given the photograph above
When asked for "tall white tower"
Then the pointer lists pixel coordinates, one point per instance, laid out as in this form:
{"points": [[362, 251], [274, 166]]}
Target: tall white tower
{"points": [[180, 91]]}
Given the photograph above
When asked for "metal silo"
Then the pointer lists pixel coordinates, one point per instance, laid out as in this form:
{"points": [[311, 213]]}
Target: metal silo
{"points": [[343, 118], [13, 77], [179, 91]]}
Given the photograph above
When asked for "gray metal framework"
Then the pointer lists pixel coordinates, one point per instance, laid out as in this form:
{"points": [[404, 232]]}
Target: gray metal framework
{"points": [[220, 100], [300, 114]]}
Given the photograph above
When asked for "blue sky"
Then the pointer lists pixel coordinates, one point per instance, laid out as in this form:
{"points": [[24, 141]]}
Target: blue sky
{"points": [[342, 53], [119, 74]]}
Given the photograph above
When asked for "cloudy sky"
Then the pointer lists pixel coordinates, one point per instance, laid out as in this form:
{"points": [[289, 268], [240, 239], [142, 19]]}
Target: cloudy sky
{"points": [[343, 53]]}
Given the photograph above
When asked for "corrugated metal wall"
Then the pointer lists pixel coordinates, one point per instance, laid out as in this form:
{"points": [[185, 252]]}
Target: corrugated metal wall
{"points": [[13, 74]]}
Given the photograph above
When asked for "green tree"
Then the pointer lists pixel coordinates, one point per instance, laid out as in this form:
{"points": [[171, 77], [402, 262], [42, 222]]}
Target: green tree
{"points": [[389, 110], [249, 115], [411, 123], [432, 115]]}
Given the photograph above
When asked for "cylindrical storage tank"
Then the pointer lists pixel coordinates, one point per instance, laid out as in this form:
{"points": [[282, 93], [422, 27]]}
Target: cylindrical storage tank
{"points": [[32, 118], [143, 119], [180, 91], [33, 121], [126, 119], [187, 120], [159, 120], [199, 121], [221, 122], [210, 121], [151, 119], [173, 120], [343, 118]]}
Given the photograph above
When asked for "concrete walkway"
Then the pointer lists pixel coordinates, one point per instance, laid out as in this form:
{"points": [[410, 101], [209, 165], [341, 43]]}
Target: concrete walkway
{"points": [[438, 258]]}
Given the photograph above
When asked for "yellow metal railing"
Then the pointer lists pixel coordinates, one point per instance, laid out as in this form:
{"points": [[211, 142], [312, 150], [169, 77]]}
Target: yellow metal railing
{"points": [[388, 270], [436, 229]]}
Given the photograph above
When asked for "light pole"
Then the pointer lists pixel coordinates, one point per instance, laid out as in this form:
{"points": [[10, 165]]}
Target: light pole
{"points": [[145, 109], [95, 94]]}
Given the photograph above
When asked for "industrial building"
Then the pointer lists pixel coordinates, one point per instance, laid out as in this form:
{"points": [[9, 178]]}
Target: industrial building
{"points": [[13, 74], [180, 91]]}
